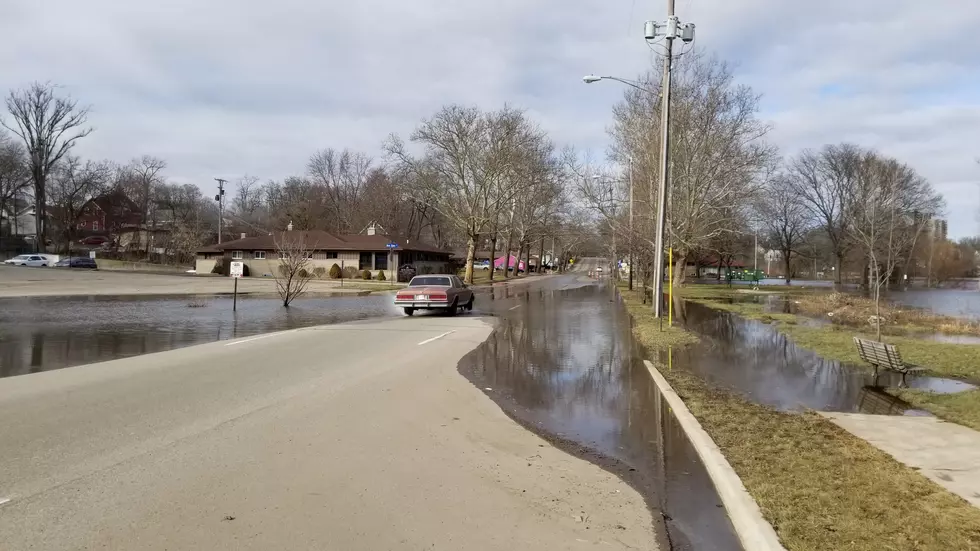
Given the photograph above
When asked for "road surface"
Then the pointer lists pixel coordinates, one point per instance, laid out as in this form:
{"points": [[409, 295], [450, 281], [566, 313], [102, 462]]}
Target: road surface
{"points": [[350, 436]]}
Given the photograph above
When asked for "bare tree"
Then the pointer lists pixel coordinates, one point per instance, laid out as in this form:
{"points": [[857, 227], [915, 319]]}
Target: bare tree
{"points": [[826, 182], [295, 249], [888, 197], [467, 172], [72, 184], [784, 219], [248, 197], [341, 177], [719, 156], [14, 177], [48, 126]]}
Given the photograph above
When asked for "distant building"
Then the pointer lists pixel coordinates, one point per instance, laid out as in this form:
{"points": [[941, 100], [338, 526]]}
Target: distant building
{"points": [[938, 229], [367, 251]]}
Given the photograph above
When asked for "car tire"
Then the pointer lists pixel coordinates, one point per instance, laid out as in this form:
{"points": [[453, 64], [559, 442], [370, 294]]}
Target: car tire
{"points": [[454, 309], [469, 305], [409, 311]]}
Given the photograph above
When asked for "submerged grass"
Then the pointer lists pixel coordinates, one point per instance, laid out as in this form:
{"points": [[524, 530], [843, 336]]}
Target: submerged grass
{"points": [[835, 342], [819, 486]]}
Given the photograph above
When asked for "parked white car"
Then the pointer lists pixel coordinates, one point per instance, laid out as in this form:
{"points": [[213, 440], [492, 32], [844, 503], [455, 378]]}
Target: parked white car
{"points": [[29, 260]]}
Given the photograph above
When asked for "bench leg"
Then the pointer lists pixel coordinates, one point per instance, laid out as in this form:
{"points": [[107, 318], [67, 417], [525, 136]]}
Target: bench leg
{"points": [[903, 384]]}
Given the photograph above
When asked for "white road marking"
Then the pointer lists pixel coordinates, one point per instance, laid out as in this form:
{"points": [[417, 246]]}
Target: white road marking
{"points": [[427, 341], [4, 500], [252, 339], [516, 307]]}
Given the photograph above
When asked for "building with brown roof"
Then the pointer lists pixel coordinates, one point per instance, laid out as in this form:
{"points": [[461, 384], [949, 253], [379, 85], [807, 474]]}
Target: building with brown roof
{"points": [[261, 253]]}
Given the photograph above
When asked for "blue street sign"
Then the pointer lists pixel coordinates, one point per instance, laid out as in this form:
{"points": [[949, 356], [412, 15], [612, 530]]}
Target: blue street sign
{"points": [[392, 245]]}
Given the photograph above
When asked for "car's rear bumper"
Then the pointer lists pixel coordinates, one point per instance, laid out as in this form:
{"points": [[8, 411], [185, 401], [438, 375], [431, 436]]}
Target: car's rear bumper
{"points": [[421, 305]]}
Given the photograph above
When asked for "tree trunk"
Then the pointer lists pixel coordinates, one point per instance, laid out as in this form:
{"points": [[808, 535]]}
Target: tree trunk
{"points": [[510, 242], [527, 264], [720, 266], [470, 254], [40, 198], [839, 277], [541, 258], [787, 260], [493, 252], [679, 272]]}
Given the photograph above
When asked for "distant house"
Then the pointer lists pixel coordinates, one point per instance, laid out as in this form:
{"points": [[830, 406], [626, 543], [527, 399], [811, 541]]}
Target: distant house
{"points": [[109, 214], [363, 252]]}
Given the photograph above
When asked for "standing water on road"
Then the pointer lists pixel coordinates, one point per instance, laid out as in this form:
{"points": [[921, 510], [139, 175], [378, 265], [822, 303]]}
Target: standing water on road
{"points": [[40, 334], [562, 363]]}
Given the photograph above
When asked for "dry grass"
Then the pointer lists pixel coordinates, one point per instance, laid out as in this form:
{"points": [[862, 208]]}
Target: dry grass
{"points": [[820, 487], [856, 311]]}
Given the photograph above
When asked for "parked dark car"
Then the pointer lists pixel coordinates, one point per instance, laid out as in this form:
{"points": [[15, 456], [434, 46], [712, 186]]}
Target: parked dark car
{"points": [[406, 273], [77, 262]]}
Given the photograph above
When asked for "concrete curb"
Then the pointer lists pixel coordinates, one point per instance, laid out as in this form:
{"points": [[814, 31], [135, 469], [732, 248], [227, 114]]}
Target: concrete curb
{"points": [[752, 530]]}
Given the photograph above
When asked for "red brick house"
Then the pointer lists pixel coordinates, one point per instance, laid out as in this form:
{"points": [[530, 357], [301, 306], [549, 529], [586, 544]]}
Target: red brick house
{"points": [[109, 214]]}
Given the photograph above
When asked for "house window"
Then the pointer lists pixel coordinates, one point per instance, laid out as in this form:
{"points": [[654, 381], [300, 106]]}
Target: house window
{"points": [[237, 255], [258, 255], [380, 261], [283, 256], [365, 260], [95, 225], [330, 254]]}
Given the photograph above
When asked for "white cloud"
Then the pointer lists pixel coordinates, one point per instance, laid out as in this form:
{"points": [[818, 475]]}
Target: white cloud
{"points": [[224, 88]]}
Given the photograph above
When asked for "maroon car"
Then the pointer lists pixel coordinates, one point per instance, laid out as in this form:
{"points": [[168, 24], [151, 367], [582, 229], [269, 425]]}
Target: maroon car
{"points": [[94, 240], [435, 292]]}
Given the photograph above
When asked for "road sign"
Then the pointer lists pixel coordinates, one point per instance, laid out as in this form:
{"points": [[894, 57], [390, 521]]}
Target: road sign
{"points": [[392, 245], [237, 269]]}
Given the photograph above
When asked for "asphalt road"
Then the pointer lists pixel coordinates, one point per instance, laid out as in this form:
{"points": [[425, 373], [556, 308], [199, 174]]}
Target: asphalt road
{"points": [[351, 436]]}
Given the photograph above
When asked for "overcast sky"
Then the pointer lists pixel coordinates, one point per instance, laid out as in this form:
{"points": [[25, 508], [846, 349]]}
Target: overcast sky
{"points": [[232, 87]]}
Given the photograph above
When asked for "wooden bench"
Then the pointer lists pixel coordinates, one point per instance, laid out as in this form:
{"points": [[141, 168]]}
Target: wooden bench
{"points": [[885, 357]]}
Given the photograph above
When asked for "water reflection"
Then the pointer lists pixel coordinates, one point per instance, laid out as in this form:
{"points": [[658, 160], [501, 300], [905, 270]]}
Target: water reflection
{"points": [[960, 303], [40, 334], [757, 361], [564, 365]]}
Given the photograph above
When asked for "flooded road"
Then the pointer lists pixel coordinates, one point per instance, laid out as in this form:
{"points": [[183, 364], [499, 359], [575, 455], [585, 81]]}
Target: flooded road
{"points": [[40, 334], [755, 360], [562, 363]]}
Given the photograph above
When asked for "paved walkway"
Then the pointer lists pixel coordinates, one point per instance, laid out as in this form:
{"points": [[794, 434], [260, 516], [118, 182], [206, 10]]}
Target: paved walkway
{"points": [[946, 453]]}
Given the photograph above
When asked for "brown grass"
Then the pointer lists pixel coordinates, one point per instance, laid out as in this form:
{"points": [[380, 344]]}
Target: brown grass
{"points": [[819, 486], [856, 311]]}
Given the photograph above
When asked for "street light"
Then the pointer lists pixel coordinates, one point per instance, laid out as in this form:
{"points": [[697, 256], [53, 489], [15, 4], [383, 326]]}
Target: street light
{"points": [[589, 79], [670, 30]]}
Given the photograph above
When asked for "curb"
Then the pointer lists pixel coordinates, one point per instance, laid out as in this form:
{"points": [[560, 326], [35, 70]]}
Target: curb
{"points": [[753, 531]]}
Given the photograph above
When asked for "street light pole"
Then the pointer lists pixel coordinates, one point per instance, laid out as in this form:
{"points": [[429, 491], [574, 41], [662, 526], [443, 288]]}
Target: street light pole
{"points": [[220, 198], [652, 30], [658, 267]]}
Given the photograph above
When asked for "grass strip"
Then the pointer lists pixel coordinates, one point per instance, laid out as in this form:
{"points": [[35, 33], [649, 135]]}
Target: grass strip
{"points": [[819, 486]]}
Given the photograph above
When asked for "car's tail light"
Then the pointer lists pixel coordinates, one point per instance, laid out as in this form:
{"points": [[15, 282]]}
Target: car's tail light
{"points": [[404, 296], [437, 296]]}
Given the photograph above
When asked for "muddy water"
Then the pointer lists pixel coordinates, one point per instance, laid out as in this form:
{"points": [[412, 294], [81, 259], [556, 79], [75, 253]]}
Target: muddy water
{"points": [[562, 363], [757, 361]]}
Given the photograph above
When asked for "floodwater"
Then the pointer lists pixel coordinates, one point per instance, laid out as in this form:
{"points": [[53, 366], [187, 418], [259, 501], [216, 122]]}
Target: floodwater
{"points": [[959, 303], [755, 360], [40, 334], [563, 363]]}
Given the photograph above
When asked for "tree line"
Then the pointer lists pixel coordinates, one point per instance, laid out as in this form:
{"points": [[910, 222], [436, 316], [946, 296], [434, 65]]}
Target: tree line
{"points": [[840, 208], [465, 177]]}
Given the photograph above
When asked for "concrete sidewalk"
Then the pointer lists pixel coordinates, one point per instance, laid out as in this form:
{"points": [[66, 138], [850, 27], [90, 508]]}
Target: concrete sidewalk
{"points": [[946, 453]]}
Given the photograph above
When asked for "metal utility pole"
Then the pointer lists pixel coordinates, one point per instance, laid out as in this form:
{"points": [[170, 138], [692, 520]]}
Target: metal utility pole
{"points": [[631, 224], [220, 197]]}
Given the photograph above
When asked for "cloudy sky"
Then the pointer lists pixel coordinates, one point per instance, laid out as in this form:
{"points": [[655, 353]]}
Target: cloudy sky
{"points": [[232, 87]]}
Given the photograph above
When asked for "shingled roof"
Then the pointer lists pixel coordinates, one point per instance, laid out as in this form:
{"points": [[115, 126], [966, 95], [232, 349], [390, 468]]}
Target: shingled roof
{"points": [[322, 241]]}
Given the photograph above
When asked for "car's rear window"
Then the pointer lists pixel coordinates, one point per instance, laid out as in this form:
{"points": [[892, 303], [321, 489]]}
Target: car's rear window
{"points": [[425, 281]]}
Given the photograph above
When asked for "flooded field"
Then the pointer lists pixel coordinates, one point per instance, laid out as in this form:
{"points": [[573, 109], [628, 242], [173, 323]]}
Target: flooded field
{"points": [[755, 360]]}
